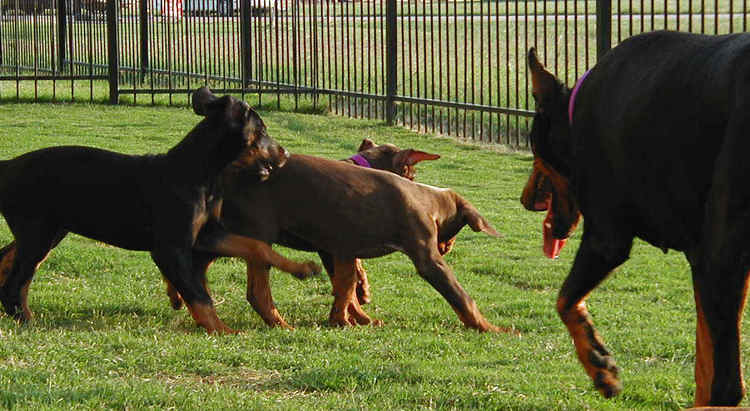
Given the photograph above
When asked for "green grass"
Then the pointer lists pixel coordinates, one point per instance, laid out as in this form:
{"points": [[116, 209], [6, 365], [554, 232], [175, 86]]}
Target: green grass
{"points": [[105, 337]]}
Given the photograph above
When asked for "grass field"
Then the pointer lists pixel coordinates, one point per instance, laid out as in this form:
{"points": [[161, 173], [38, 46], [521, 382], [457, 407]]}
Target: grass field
{"points": [[105, 337]]}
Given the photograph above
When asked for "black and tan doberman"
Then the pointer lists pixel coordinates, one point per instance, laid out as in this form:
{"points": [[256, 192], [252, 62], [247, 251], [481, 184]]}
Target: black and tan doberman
{"points": [[652, 143], [167, 204]]}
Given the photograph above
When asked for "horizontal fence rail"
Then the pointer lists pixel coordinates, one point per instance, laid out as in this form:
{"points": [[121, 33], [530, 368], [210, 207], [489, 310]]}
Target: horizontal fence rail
{"points": [[449, 67]]}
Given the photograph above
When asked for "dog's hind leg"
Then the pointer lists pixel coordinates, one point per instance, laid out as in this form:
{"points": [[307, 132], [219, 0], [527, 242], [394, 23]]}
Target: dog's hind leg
{"points": [[720, 269], [431, 266], [33, 242], [363, 284], [201, 262], [346, 309], [176, 265], [720, 284], [592, 264]]}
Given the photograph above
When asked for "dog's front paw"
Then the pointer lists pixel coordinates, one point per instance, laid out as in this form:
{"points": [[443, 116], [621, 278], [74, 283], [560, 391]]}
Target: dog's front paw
{"points": [[606, 379], [308, 269]]}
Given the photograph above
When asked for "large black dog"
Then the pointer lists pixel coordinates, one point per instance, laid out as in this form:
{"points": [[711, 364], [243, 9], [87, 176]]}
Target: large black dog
{"points": [[156, 203], [655, 146]]}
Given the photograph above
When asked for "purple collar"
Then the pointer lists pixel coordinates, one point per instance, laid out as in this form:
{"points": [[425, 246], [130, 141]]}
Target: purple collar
{"points": [[360, 161], [572, 102]]}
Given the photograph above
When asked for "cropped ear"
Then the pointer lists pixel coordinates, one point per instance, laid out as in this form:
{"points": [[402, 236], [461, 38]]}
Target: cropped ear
{"points": [[477, 222], [366, 145], [409, 157], [244, 114], [544, 85], [202, 99]]}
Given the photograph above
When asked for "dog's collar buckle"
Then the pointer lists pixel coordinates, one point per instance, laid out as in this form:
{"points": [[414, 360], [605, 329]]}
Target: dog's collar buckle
{"points": [[572, 101], [360, 161]]}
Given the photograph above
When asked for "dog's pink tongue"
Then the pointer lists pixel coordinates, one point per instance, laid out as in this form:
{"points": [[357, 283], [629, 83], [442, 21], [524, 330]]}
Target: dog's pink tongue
{"points": [[552, 246]]}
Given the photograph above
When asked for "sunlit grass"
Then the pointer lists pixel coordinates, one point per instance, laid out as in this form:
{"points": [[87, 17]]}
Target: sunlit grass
{"points": [[105, 337]]}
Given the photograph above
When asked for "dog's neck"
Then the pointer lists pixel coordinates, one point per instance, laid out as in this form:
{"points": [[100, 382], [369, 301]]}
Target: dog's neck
{"points": [[573, 94], [214, 157]]}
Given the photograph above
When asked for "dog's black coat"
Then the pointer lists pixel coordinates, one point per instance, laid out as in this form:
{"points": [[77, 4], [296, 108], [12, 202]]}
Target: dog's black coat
{"points": [[658, 149]]}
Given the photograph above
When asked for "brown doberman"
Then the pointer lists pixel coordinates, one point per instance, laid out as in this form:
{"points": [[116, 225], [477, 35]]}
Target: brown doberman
{"points": [[353, 212], [652, 143], [167, 204]]}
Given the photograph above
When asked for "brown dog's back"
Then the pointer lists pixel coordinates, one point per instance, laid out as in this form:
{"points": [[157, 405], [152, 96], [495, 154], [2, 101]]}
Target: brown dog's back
{"points": [[357, 212]]}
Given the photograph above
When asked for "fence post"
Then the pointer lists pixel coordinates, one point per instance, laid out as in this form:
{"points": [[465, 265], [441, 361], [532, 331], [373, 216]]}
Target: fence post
{"points": [[603, 27], [245, 52], [391, 56], [1, 41], [143, 21], [61, 34], [112, 51]]}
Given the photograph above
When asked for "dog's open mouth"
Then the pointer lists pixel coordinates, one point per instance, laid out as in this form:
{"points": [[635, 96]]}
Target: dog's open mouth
{"points": [[552, 245]]}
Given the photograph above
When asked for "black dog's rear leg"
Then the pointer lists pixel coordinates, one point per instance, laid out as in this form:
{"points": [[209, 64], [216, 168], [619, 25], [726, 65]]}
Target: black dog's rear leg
{"points": [[720, 294], [201, 262], [592, 264], [720, 282], [33, 242], [720, 277], [176, 265]]}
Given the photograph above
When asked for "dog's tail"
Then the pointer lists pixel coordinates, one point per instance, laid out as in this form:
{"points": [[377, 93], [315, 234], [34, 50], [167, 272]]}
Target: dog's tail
{"points": [[476, 221]]}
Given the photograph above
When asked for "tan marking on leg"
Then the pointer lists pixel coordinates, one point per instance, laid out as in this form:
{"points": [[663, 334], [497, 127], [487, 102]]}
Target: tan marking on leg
{"points": [[175, 300], [596, 360], [258, 252], [363, 284], [704, 352], [6, 264], [205, 316], [28, 315], [346, 309], [259, 296], [26, 311]]}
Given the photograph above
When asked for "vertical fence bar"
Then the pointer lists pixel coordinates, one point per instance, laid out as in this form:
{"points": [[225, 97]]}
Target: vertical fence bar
{"points": [[246, 51], [143, 22], [603, 27], [112, 51], [61, 32], [391, 55], [2, 18]]}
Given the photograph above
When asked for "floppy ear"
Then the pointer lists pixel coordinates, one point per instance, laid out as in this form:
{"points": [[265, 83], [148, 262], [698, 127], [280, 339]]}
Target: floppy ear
{"points": [[409, 157], [202, 99], [477, 222], [366, 145], [543, 83]]}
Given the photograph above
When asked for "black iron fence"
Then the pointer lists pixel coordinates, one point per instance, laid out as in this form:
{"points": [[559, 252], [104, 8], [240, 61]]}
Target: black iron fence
{"points": [[452, 67]]}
